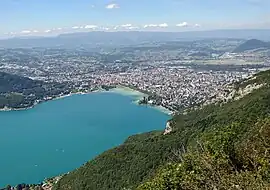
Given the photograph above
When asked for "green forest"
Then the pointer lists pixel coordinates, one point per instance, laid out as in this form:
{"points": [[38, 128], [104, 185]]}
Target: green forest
{"points": [[222, 146], [22, 92]]}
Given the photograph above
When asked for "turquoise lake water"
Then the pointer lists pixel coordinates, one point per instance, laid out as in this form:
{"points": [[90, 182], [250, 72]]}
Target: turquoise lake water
{"points": [[60, 135]]}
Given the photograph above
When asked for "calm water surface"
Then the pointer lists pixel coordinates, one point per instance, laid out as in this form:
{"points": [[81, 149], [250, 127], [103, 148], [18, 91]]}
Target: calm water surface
{"points": [[58, 136]]}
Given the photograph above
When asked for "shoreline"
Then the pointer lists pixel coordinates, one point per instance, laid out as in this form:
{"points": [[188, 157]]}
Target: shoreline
{"points": [[6, 109], [163, 109], [119, 89], [127, 91], [122, 90]]}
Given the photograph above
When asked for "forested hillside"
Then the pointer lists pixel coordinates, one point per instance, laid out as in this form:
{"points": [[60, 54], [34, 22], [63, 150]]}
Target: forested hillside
{"points": [[21, 92], [223, 146]]}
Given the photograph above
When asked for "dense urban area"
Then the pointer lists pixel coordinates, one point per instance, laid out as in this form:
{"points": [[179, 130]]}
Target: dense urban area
{"points": [[174, 74]]}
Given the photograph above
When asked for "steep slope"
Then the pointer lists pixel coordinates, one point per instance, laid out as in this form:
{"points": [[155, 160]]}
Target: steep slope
{"points": [[221, 161], [252, 45], [212, 140]]}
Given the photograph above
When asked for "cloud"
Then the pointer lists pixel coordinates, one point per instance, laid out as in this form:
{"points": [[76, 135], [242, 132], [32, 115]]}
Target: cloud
{"points": [[197, 25], [150, 25], [133, 27], [10, 33], [113, 6], [105, 28], [25, 32], [126, 25], [75, 27], [28, 31], [90, 26], [183, 24], [122, 27], [129, 27], [47, 31], [164, 25]]}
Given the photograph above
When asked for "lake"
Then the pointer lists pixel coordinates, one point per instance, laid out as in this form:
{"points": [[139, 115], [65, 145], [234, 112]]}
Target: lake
{"points": [[58, 136]]}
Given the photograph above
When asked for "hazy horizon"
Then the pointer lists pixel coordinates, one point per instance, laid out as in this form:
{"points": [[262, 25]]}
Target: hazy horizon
{"points": [[48, 18], [31, 36]]}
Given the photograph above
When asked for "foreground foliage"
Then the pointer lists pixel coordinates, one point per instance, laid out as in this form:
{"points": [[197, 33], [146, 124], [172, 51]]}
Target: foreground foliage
{"points": [[221, 163], [216, 147]]}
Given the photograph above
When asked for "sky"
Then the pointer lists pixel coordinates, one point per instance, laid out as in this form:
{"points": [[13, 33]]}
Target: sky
{"points": [[52, 17]]}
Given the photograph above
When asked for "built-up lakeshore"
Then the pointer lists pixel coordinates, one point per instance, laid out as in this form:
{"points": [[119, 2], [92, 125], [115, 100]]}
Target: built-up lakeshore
{"points": [[148, 98], [176, 75], [122, 89]]}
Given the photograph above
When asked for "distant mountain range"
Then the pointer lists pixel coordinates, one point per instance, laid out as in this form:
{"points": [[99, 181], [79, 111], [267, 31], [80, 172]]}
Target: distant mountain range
{"points": [[93, 39], [252, 44]]}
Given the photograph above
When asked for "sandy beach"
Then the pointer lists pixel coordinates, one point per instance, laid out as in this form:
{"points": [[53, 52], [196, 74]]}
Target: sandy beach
{"points": [[128, 92], [138, 96], [163, 109]]}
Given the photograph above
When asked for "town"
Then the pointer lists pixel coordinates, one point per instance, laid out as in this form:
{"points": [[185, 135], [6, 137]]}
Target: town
{"points": [[175, 75]]}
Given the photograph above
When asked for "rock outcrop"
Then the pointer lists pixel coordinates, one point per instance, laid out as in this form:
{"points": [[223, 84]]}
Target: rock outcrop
{"points": [[168, 128]]}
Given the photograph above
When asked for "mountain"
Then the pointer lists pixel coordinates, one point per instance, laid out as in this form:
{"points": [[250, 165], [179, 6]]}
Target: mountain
{"points": [[93, 39], [221, 146], [252, 44]]}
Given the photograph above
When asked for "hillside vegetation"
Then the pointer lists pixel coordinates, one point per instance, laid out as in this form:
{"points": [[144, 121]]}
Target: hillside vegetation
{"points": [[216, 147], [21, 92]]}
